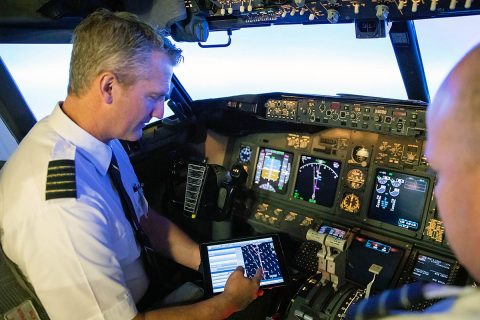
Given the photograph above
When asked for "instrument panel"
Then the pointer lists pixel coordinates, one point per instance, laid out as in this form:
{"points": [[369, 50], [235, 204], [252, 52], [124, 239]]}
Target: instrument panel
{"points": [[224, 14], [375, 187], [363, 179], [360, 183], [354, 194]]}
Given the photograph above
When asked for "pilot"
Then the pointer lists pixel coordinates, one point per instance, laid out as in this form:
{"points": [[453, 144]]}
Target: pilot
{"points": [[453, 151], [69, 196]]}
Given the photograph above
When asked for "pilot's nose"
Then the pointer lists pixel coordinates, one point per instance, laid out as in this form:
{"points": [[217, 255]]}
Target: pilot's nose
{"points": [[158, 109]]}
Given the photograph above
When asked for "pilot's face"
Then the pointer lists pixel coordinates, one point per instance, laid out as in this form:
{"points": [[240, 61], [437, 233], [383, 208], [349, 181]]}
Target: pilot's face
{"points": [[139, 102]]}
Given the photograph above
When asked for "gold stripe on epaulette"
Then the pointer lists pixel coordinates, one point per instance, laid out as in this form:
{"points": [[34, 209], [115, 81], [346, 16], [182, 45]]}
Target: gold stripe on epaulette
{"points": [[55, 175], [59, 182], [61, 167], [61, 190]]}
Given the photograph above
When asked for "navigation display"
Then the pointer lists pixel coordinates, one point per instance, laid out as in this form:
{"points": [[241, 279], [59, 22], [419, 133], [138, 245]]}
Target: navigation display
{"points": [[273, 170], [222, 258], [317, 180], [431, 270], [398, 199]]}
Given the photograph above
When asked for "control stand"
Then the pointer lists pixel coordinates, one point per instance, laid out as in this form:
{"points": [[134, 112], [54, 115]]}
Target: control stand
{"points": [[332, 257]]}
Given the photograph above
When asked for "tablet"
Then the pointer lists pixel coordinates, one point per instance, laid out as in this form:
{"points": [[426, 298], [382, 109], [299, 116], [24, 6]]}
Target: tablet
{"points": [[221, 258]]}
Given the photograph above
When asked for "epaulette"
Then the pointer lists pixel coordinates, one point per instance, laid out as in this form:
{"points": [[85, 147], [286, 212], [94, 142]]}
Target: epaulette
{"points": [[61, 180]]}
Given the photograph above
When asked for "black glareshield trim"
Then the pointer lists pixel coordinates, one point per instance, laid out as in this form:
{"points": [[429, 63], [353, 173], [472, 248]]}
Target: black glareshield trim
{"points": [[407, 51], [14, 110]]}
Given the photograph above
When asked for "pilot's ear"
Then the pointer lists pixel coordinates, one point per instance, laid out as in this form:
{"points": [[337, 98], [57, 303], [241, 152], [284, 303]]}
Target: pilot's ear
{"points": [[107, 81]]}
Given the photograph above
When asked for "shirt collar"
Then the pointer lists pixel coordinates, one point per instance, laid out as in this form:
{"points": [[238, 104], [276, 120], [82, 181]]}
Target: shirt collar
{"points": [[93, 149]]}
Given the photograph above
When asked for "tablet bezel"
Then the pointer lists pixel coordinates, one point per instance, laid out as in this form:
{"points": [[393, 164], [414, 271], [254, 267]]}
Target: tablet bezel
{"points": [[207, 279]]}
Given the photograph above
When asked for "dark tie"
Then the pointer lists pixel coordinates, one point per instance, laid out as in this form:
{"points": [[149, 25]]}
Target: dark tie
{"points": [[147, 253]]}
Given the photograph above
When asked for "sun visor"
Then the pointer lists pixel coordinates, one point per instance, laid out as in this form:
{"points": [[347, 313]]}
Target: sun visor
{"points": [[161, 13], [185, 24]]}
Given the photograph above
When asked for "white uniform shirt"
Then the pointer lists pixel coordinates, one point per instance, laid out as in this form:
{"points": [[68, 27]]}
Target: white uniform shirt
{"points": [[465, 307], [80, 253]]}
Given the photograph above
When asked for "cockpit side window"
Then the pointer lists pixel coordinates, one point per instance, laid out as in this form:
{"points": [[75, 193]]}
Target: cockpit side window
{"points": [[8, 144], [439, 55], [41, 74]]}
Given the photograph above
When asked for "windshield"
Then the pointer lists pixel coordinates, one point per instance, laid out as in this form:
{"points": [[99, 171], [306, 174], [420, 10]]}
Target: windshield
{"points": [[319, 59], [308, 59], [314, 59]]}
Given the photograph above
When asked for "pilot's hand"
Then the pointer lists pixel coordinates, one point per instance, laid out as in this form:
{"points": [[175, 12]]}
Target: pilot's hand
{"points": [[241, 290]]}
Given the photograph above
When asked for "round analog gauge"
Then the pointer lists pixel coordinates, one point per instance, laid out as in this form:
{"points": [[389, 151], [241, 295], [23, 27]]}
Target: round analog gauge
{"points": [[350, 203], [360, 155], [355, 179], [245, 154]]}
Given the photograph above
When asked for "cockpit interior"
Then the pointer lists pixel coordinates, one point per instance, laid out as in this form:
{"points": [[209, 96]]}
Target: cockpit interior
{"points": [[342, 178]]}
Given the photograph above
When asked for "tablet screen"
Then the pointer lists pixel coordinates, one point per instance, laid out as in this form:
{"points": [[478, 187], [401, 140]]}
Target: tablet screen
{"points": [[222, 258]]}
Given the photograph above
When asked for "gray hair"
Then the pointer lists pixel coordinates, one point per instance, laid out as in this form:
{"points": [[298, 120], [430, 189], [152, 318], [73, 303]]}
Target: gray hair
{"points": [[118, 42]]}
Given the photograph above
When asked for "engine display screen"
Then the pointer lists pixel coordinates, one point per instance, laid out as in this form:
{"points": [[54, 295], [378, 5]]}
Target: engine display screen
{"points": [[431, 270], [317, 180], [398, 199], [364, 252], [273, 170]]}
